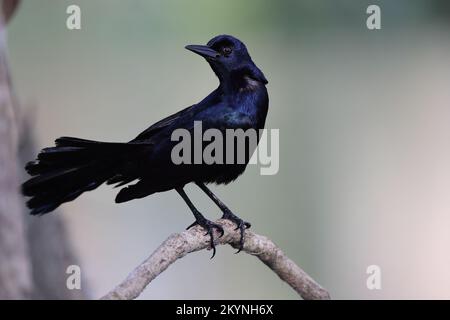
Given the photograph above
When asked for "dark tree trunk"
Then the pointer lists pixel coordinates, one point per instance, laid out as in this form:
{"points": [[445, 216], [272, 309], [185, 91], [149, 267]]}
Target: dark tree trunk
{"points": [[48, 243], [34, 252], [15, 271]]}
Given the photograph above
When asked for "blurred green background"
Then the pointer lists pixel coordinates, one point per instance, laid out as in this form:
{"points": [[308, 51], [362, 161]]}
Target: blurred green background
{"points": [[364, 136]]}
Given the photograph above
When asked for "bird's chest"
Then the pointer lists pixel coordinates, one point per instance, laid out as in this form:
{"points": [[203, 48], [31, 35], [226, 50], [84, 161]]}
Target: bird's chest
{"points": [[248, 109]]}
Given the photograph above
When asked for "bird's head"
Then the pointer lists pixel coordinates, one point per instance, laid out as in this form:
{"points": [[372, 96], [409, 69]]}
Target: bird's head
{"points": [[229, 58]]}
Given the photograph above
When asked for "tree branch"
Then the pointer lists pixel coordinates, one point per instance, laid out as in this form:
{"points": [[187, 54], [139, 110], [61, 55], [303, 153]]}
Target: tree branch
{"points": [[178, 245]]}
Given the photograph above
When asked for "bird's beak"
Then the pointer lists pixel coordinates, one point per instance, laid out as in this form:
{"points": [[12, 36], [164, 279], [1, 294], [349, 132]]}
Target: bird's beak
{"points": [[205, 51]]}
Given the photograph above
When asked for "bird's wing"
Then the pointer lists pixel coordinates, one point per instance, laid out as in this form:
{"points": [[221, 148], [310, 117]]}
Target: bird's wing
{"points": [[164, 123], [178, 117]]}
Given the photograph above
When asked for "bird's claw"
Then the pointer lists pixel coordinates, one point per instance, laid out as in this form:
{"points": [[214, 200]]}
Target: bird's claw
{"points": [[240, 225], [209, 227], [243, 223]]}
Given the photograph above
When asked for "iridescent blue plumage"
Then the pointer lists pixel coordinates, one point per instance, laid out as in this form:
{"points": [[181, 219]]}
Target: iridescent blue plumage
{"points": [[63, 172]]}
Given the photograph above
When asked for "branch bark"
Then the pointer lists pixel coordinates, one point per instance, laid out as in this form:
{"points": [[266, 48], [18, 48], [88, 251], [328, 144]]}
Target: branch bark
{"points": [[178, 245]]}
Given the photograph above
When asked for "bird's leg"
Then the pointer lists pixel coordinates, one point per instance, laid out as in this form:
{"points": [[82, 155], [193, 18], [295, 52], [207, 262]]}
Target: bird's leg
{"points": [[201, 220], [227, 214]]}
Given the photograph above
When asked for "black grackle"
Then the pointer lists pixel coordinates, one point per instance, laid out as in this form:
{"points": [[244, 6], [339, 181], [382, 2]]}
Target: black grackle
{"points": [[73, 166]]}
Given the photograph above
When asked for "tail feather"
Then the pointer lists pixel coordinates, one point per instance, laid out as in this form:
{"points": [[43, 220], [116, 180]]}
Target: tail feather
{"points": [[62, 173]]}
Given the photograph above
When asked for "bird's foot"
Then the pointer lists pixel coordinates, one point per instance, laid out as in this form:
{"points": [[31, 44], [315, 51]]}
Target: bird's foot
{"points": [[209, 227], [240, 224]]}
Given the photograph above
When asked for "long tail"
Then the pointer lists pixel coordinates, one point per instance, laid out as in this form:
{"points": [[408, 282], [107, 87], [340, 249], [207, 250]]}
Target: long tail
{"points": [[73, 166]]}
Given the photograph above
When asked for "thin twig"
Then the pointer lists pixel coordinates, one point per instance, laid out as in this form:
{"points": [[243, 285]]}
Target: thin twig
{"points": [[180, 244]]}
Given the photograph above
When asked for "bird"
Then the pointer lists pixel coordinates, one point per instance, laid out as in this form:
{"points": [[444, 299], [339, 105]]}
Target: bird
{"points": [[143, 166]]}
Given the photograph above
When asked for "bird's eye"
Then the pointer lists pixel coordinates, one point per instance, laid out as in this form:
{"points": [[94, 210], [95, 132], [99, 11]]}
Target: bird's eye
{"points": [[226, 51]]}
